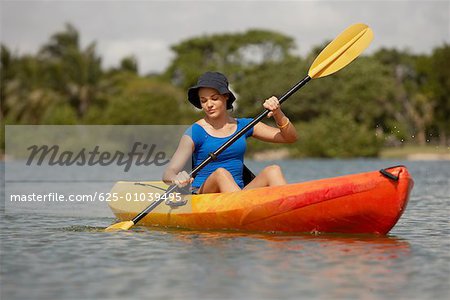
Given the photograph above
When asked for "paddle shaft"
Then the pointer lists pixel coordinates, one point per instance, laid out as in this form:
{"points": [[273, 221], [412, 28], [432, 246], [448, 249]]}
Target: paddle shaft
{"points": [[213, 156]]}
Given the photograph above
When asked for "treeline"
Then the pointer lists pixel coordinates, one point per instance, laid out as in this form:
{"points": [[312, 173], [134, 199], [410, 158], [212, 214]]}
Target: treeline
{"points": [[390, 97]]}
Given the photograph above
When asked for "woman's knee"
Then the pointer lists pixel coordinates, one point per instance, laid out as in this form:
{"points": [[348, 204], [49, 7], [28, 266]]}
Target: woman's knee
{"points": [[273, 170], [222, 172]]}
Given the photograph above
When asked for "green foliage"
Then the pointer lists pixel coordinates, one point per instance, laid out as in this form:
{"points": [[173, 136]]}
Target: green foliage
{"points": [[25, 97], [439, 82], [229, 53], [337, 135], [143, 101], [385, 98], [59, 114], [129, 64], [74, 72], [413, 101], [262, 81], [363, 90]]}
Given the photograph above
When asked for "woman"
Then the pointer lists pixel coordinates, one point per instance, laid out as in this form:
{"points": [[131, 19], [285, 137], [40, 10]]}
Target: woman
{"points": [[212, 95]]}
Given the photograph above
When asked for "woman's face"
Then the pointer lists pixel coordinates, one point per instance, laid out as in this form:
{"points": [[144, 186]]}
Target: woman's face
{"points": [[213, 103]]}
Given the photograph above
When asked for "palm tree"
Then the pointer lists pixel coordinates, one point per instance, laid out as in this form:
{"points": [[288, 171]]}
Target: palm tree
{"points": [[74, 72], [25, 98]]}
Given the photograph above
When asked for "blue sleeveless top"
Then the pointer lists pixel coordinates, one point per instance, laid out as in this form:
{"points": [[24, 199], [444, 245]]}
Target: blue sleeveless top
{"points": [[231, 159]]}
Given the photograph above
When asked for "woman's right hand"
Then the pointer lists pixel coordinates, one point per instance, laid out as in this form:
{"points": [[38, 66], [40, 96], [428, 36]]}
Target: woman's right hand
{"points": [[182, 179]]}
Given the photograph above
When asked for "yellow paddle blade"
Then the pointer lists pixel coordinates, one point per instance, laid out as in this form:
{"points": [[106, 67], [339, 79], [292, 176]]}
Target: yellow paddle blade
{"points": [[341, 51], [120, 226]]}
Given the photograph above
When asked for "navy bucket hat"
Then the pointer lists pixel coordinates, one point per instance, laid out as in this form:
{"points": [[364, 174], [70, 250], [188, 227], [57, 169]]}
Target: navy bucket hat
{"points": [[213, 80]]}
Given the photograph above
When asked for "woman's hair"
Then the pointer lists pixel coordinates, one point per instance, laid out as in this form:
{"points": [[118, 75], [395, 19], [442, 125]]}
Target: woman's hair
{"points": [[229, 103]]}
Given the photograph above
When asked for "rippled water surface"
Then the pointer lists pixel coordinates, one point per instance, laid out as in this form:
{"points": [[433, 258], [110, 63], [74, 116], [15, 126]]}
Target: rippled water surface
{"points": [[63, 253]]}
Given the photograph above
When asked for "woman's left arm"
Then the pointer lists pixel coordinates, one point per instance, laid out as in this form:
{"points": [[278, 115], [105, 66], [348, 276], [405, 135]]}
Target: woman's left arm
{"points": [[285, 133]]}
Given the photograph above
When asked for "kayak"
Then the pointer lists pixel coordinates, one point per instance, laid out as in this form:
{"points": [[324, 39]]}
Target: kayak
{"points": [[370, 202]]}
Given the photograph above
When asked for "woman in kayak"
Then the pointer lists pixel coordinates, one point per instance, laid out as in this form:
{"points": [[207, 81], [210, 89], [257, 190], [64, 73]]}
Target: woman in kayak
{"points": [[212, 95]]}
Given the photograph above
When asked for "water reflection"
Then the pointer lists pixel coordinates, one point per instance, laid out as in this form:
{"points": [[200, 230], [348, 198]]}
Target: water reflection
{"points": [[268, 265], [340, 265], [344, 243]]}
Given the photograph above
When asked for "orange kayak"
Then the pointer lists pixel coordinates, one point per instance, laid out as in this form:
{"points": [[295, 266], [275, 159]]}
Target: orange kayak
{"points": [[369, 202]]}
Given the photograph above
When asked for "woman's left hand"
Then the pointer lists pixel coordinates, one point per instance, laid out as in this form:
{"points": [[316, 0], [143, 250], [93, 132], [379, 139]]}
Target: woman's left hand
{"points": [[273, 105]]}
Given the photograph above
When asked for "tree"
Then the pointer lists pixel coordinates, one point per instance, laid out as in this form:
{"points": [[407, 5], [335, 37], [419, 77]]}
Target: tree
{"points": [[272, 78], [363, 90], [439, 87], [72, 71], [25, 97], [417, 105], [6, 75], [228, 53], [140, 101], [129, 64], [337, 135]]}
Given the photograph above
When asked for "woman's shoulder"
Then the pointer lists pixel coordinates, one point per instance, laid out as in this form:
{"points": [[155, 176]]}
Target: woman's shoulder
{"points": [[195, 131], [244, 121], [200, 123], [196, 124]]}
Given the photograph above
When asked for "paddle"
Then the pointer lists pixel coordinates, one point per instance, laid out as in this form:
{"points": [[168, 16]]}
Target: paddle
{"points": [[339, 53]]}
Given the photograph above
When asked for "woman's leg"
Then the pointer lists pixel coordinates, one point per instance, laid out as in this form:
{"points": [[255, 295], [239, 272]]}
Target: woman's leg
{"points": [[269, 176], [220, 181]]}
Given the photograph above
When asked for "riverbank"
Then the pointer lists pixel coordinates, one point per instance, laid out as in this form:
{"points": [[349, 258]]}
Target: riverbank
{"points": [[417, 152]]}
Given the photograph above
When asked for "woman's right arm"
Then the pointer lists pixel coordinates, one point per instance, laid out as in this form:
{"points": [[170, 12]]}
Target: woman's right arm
{"points": [[173, 173]]}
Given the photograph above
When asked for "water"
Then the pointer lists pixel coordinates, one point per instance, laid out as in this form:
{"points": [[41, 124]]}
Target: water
{"points": [[64, 254]]}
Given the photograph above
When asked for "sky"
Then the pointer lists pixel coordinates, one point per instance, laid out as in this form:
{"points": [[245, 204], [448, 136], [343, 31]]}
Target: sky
{"points": [[147, 29]]}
